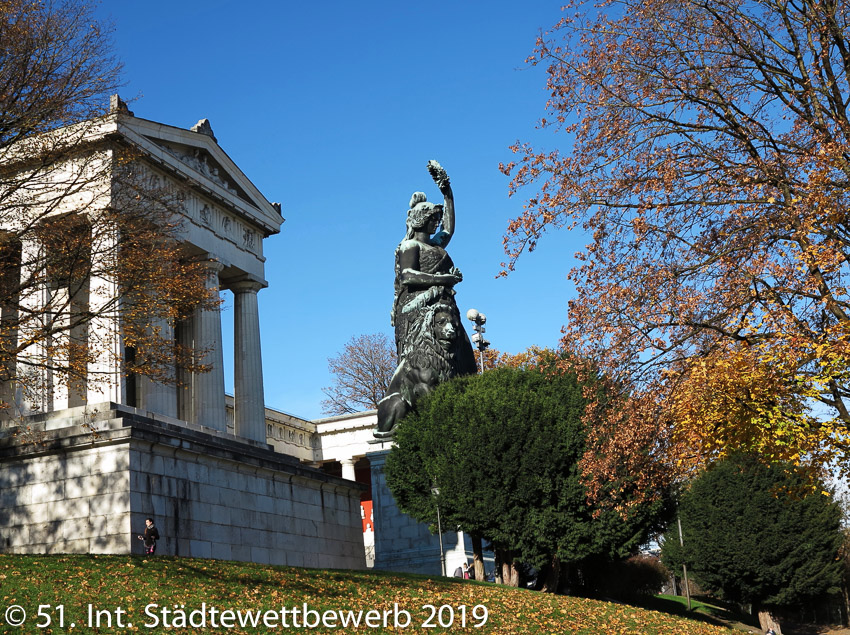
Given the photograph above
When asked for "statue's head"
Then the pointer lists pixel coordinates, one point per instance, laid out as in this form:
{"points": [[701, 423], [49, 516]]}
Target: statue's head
{"points": [[422, 212]]}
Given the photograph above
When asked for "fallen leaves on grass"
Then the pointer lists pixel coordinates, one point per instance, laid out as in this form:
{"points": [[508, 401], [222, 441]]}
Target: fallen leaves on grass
{"points": [[108, 582]]}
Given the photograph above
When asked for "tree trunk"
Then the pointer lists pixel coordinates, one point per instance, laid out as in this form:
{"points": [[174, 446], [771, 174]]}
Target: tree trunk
{"points": [[553, 576], [767, 619], [477, 556], [506, 574], [510, 571], [514, 580], [567, 574], [499, 558]]}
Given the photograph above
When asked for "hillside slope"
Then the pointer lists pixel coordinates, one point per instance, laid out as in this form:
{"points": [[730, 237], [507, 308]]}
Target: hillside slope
{"points": [[174, 595]]}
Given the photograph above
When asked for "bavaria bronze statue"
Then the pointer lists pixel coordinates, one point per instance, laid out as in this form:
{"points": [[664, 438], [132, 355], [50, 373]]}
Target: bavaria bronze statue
{"points": [[432, 345]]}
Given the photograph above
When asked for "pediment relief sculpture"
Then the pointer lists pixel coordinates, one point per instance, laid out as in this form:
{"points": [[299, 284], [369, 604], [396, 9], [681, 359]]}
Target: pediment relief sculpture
{"points": [[200, 161]]}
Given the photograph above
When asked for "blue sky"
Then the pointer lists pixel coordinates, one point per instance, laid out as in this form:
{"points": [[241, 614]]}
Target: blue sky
{"points": [[333, 109]]}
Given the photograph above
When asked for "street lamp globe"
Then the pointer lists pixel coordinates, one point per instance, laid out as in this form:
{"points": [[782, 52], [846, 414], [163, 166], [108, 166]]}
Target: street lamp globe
{"points": [[478, 319]]}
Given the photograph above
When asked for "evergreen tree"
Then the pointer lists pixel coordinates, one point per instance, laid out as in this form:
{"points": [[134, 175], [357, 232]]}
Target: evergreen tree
{"points": [[503, 448], [750, 536]]}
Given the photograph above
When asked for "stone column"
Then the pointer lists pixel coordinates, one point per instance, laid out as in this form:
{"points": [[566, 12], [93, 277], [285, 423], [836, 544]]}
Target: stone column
{"points": [[208, 388], [59, 317], [249, 403], [31, 393], [184, 335], [348, 469], [105, 369], [156, 397], [9, 337]]}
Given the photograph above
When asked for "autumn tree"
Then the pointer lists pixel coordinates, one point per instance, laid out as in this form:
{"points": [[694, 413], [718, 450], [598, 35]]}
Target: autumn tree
{"points": [[361, 372], [504, 449], [752, 542], [86, 230], [706, 152]]}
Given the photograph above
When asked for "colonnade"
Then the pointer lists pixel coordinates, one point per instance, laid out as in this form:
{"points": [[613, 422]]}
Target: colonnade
{"points": [[197, 397], [204, 404]]}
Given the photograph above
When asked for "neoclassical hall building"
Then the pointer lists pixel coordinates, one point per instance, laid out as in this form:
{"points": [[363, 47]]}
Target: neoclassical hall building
{"points": [[224, 477]]}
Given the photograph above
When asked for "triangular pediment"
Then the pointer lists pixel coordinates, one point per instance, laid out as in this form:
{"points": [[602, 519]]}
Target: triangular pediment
{"points": [[205, 165], [197, 157]]}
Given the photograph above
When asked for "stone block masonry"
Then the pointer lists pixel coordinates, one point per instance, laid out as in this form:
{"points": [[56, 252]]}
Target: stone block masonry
{"points": [[87, 488]]}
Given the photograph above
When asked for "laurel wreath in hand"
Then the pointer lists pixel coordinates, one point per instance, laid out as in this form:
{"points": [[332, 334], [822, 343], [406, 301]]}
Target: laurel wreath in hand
{"points": [[439, 174]]}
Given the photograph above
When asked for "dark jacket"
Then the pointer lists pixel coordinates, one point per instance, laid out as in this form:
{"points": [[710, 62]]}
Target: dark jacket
{"points": [[151, 535]]}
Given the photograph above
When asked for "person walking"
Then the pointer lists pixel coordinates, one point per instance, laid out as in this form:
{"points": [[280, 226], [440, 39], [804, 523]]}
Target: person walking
{"points": [[150, 537]]}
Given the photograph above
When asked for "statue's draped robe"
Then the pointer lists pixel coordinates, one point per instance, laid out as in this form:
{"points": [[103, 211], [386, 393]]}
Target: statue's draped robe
{"points": [[412, 306]]}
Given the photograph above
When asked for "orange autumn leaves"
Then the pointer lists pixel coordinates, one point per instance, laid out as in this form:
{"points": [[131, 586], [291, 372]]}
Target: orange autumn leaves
{"points": [[708, 164], [87, 229]]}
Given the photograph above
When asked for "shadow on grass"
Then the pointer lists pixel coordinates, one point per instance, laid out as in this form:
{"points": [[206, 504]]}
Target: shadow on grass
{"points": [[302, 580], [704, 609]]}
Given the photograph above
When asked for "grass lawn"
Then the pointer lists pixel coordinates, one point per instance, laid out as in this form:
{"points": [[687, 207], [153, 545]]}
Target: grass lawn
{"points": [[174, 595]]}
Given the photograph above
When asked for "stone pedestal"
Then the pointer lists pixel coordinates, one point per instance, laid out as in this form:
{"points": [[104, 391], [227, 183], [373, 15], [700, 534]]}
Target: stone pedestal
{"points": [[212, 495], [402, 543]]}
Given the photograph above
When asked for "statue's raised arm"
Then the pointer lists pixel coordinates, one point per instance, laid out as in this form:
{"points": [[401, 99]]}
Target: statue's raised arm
{"points": [[441, 178]]}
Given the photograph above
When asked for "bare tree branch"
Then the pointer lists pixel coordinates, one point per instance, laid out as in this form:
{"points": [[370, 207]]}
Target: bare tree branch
{"points": [[362, 373]]}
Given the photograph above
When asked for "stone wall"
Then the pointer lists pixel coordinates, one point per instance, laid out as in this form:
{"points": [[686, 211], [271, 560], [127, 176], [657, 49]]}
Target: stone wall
{"points": [[404, 544], [401, 543], [76, 490], [57, 502]]}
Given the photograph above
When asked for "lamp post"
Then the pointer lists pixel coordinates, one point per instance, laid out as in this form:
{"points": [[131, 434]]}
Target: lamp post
{"points": [[435, 492], [684, 566], [478, 319]]}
